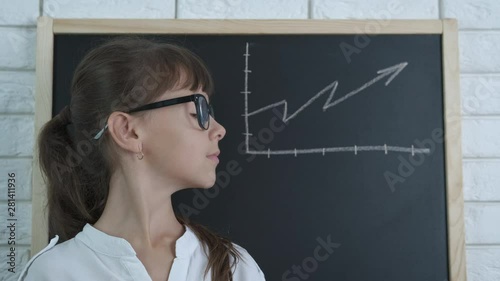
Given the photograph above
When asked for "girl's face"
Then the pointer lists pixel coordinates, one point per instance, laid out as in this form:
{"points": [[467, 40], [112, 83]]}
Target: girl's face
{"points": [[176, 147]]}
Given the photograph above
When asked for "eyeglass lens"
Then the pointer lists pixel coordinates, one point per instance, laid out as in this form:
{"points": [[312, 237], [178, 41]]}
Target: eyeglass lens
{"points": [[204, 112]]}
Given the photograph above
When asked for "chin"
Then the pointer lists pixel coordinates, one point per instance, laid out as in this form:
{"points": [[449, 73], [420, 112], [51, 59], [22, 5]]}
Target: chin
{"points": [[209, 185], [212, 181], [205, 184]]}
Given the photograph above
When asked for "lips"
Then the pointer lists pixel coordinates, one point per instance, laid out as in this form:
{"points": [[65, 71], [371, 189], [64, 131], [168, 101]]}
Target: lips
{"points": [[214, 157]]}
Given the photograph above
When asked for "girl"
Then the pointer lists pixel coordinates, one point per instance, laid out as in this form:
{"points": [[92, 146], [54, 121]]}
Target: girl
{"points": [[141, 115]]}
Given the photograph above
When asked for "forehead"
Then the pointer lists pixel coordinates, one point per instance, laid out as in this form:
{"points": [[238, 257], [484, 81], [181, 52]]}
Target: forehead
{"points": [[182, 93]]}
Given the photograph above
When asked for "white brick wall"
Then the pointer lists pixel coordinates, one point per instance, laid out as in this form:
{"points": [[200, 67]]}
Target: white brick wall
{"points": [[480, 94], [481, 14], [17, 48], [22, 254], [242, 9], [483, 263], [23, 225], [375, 9], [22, 167], [481, 136], [479, 40], [109, 9], [473, 47], [481, 180], [23, 12]]}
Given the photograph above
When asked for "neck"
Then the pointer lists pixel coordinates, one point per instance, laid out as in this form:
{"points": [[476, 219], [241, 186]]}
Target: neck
{"points": [[140, 212]]}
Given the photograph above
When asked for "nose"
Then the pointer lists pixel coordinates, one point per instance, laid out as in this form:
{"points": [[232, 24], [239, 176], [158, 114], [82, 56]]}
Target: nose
{"points": [[218, 131]]}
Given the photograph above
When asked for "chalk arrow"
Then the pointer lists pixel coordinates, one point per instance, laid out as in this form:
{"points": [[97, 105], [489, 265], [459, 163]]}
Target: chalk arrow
{"points": [[332, 86], [392, 72]]}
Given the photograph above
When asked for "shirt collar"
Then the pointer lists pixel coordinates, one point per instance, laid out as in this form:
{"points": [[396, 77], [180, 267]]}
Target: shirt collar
{"points": [[116, 246]]}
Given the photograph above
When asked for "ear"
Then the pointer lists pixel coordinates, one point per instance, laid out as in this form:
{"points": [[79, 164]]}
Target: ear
{"points": [[125, 129]]}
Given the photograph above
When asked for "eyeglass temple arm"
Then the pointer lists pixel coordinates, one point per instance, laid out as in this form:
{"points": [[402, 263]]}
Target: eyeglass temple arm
{"points": [[151, 106]]}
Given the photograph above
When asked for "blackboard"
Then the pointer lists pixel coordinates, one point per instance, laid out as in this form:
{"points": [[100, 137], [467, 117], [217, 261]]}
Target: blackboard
{"points": [[334, 163]]}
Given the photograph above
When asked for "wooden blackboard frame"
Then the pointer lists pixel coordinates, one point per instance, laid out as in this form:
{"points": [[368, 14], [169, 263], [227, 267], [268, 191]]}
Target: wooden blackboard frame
{"points": [[48, 27]]}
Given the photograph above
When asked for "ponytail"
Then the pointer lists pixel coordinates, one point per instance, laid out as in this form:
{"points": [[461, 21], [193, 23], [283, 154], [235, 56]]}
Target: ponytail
{"points": [[69, 202]]}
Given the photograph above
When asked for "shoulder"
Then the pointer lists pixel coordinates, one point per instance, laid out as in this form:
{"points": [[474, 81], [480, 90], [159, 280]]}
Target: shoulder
{"points": [[246, 267], [49, 263]]}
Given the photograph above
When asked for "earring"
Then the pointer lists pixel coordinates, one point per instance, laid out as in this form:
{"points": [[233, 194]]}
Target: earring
{"points": [[142, 154]]}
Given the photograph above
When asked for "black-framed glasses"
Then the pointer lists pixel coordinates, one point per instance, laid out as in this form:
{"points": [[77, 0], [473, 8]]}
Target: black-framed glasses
{"points": [[203, 109]]}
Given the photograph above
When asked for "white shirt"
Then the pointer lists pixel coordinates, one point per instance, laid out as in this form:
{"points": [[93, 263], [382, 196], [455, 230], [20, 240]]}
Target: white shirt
{"points": [[93, 255]]}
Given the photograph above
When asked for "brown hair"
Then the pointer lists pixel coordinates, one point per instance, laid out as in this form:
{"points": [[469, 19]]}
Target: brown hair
{"points": [[77, 168]]}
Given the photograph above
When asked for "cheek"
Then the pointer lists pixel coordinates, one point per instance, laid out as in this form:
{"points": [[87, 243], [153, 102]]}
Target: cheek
{"points": [[176, 147], [170, 131], [188, 164], [183, 147]]}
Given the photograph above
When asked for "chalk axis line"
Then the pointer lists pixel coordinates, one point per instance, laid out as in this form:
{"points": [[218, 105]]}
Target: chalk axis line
{"points": [[392, 72]]}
